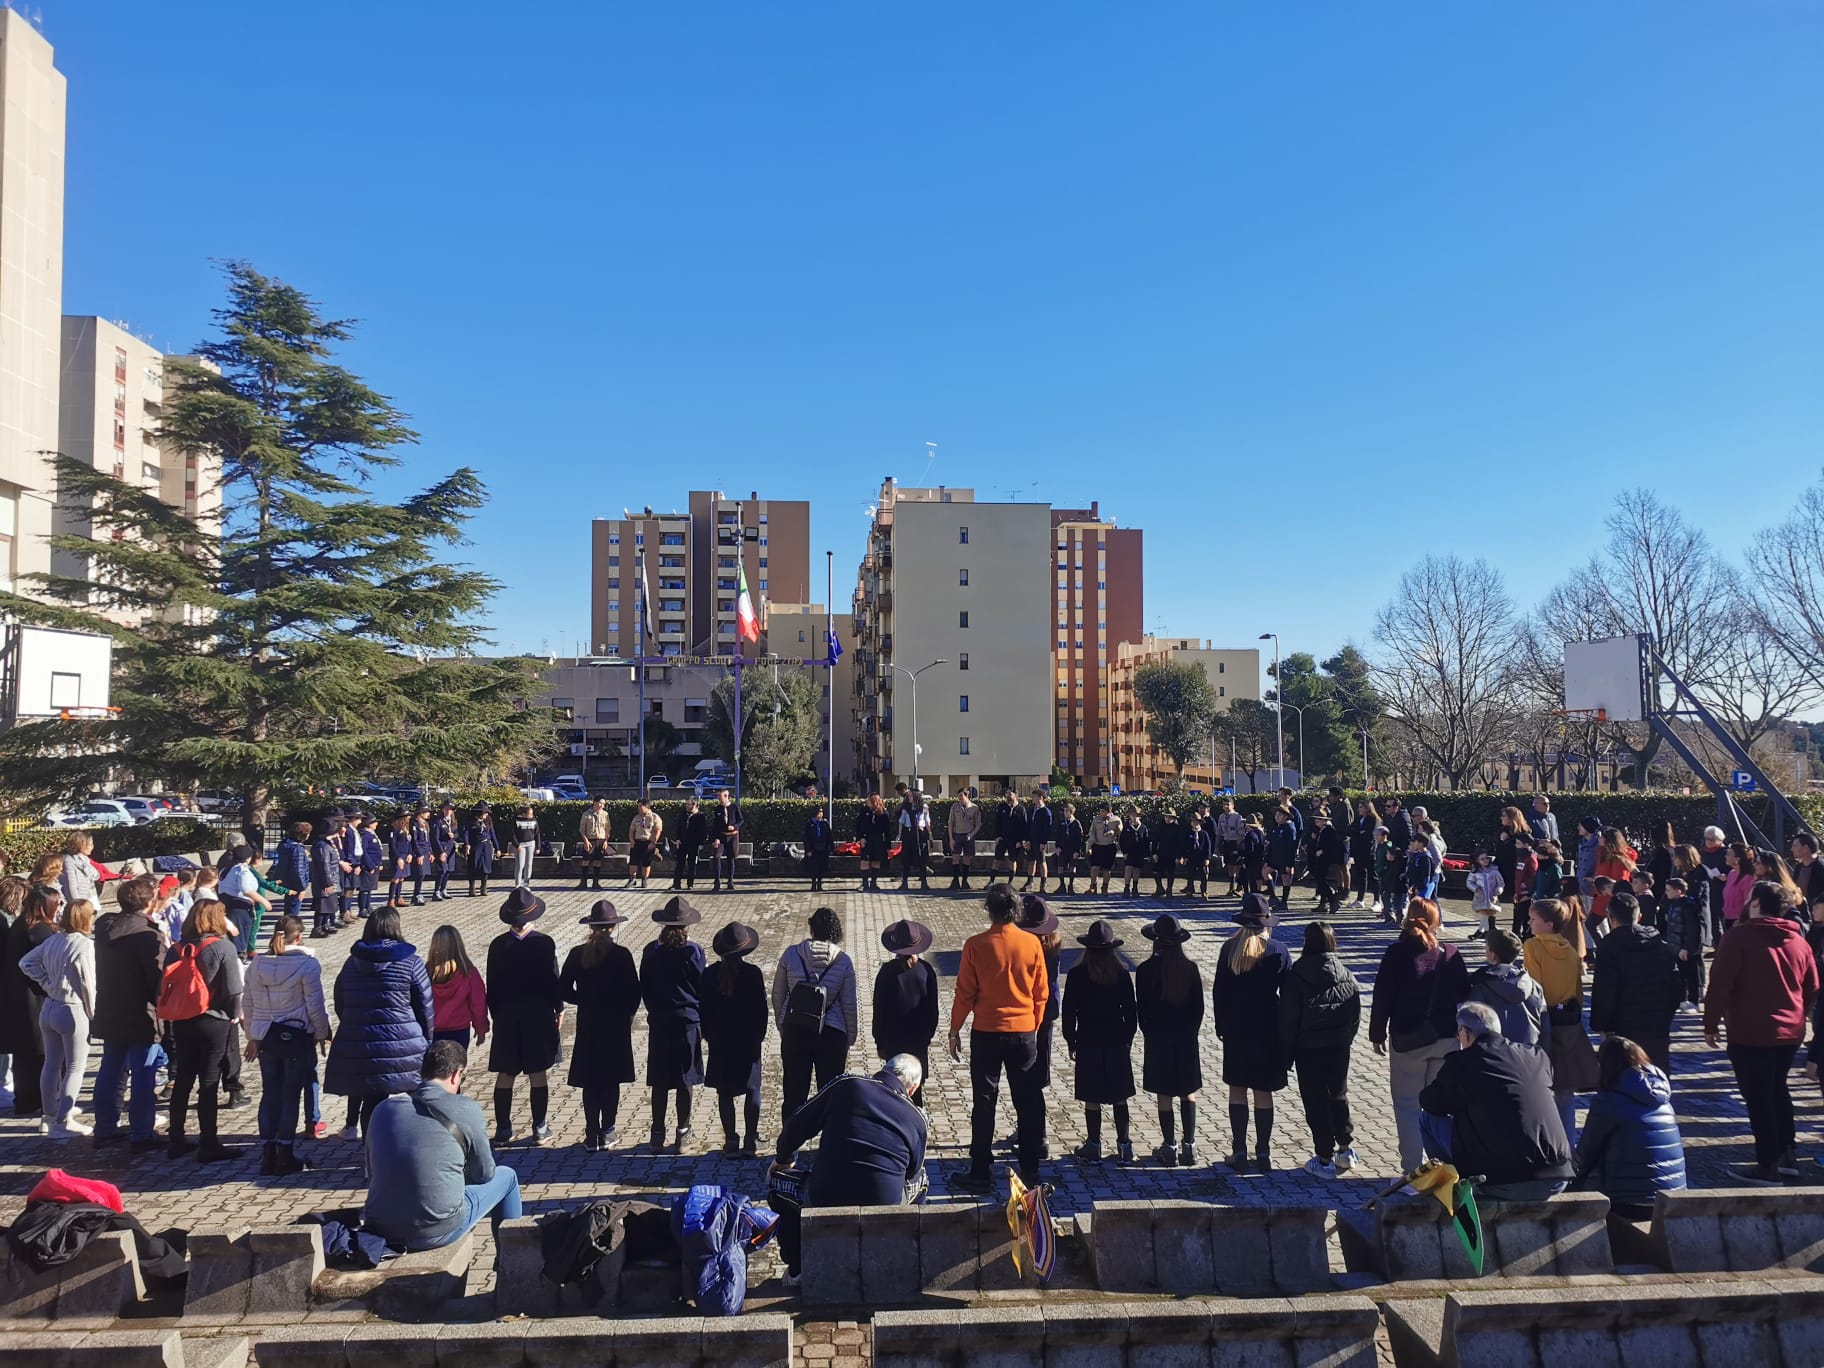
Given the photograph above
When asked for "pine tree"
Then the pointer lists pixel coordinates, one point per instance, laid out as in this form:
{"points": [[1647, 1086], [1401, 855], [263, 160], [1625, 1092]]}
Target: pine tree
{"points": [[317, 636]]}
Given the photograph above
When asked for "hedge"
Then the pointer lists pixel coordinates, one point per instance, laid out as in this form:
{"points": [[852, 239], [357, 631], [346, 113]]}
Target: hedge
{"points": [[1470, 820]]}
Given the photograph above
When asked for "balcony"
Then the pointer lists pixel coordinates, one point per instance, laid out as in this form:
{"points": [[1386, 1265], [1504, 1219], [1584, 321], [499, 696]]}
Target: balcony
{"points": [[886, 681]]}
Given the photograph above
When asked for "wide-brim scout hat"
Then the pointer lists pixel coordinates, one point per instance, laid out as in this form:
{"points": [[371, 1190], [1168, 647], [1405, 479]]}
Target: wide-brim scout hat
{"points": [[1101, 937], [906, 938], [602, 914], [677, 912], [737, 938], [1166, 928], [1036, 915], [522, 906], [1255, 911]]}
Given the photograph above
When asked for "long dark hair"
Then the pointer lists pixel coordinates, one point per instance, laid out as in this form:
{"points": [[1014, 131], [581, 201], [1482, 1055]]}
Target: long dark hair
{"points": [[726, 974], [383, 924], [1101, 966], [671, 937], [1320, 940], [1614, 1057], [596, 948], [1179, 981]]}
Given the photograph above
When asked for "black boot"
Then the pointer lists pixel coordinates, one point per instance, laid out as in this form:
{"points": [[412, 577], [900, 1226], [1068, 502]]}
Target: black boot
{"points": [[269, 1153]]}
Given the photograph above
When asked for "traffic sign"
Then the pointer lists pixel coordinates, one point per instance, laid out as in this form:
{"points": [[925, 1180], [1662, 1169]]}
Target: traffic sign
{"points": [[1742, 781]]}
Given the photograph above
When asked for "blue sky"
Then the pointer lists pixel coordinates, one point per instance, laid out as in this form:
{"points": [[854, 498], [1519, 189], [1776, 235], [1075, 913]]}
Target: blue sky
{"points": [[1305, 291]]}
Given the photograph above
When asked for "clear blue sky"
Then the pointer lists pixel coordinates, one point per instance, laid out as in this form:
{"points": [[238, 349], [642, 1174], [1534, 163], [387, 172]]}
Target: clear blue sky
{"points": [[1303, 290]]}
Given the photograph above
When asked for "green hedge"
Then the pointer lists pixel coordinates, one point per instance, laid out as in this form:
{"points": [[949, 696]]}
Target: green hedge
{"points": [[167, 836]]}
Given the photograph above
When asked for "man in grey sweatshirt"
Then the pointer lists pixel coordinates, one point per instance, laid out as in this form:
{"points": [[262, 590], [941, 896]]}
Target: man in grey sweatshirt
{"points": [[430, 1174]]}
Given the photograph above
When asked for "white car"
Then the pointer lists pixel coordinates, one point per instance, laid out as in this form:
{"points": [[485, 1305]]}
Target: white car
{"points": [[96, 812], [142, 810]]}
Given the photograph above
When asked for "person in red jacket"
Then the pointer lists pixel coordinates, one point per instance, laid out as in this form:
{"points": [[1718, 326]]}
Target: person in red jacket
{"points": [[1762, 984]]}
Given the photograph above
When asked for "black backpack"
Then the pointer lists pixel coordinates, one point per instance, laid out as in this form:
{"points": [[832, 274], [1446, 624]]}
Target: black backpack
{"points": [[574, 1243], [809, 999]]}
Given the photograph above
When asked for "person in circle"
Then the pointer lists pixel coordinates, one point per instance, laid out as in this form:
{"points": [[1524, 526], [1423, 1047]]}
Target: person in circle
{"points": [[1244, 994], [671, 983], [599, 978], [525, 1003], [1168, 994], [1099, 1024], [734, 1026], [906, 1009]]}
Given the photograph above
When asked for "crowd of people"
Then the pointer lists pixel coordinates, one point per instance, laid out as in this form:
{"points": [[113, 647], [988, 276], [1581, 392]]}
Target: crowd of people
{"points": [[1489, 1065]]}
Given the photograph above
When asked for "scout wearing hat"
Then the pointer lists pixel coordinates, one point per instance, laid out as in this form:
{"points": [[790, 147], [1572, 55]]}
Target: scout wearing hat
{"points": [[905, 997], [599, 977], [1099, 1025], [1168, 1001], [525, 1000], [735, 1011]]}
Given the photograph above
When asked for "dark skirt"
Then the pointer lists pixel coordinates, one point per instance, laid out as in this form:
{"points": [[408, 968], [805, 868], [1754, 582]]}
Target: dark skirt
{"points": [[731, 1073], [1171, 1065], [1105, 1074], [1102, 856], [524, 1039], [1253, 1063], [601, 1056], [874, 850], [674, 1055], [817, 863]]}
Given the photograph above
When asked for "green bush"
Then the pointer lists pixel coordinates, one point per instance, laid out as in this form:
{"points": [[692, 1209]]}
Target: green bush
{"points": [[168, 836]]}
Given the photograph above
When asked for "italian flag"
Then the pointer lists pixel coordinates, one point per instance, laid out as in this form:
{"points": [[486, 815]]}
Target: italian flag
{"points": [[746, 623]]}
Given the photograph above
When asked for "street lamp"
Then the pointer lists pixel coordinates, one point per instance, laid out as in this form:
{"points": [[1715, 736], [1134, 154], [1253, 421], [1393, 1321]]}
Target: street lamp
{"points": [[913, 676], [1281, 703], [1279, 718]]}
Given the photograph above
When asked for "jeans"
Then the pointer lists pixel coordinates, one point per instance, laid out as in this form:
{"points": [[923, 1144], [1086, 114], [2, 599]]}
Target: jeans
{"points": [[283, 1079], [1323, 1086], [1408, 1071], [827, 1053], [66, 1057], [134, 1068], [498, 1198], [1761, 1072], [1016, 1052]]}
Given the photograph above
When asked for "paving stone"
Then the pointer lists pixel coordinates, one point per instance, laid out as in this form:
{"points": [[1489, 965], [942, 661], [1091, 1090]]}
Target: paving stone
{"points": [[1183, 1262]]}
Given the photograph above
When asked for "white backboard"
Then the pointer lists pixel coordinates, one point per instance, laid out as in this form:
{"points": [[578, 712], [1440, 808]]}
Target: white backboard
{"points": [[53, 670], [1605, 674]]}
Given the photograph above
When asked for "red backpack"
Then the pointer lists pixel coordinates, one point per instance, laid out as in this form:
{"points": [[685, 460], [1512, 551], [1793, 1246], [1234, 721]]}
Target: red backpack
{"points": [[183, 992]]}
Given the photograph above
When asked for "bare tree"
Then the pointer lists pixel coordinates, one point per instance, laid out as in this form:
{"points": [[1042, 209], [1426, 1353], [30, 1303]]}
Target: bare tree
{"points": [[1786, 575], [1656, 574], [1446, 672]]}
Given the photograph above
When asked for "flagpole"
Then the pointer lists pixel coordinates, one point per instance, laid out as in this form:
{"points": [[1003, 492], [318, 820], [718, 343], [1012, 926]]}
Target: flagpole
{"points": [[740, 571], [829, 594], [640, 656]]}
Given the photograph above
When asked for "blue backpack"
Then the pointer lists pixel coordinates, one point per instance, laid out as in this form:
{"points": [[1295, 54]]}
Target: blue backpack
{"points": [[716, 1228]]}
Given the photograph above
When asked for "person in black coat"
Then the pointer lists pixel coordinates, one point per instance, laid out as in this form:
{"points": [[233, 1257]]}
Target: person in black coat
{"points": [[1320, 1013], [1636, 988], [1199, 847], [1328, 854], [1168, 849], [874, 829], [481, 845], [1282, 855], [599, 977], [1010, 824], [1099, 1024], [725, 821], [1688, 930], [1397, 822], [735, 1010], [1502, 1119], [1245, 996], [1067, 836], [671, 985], [819, 841], [526, 1003], [1041, 825], [693, 831], [1361, 852], [20, 998], [1136, 850], [905, 997], [1168, 1004]]}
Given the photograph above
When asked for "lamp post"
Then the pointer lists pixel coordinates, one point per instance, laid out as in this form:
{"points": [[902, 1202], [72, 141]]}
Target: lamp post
{"points": [[1281, 703], [913, 676], [1279, 717]]}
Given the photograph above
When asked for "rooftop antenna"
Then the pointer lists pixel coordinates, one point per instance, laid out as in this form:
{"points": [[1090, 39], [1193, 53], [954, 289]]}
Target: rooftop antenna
{"points": [[930, 459], [1013, 493]]}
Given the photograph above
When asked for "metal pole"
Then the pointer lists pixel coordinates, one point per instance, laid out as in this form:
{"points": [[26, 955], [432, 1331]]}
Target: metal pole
{"points": [[1279, 714], [740, 563], [1364, 757], [829, 596], [915, 787], [640, 735]]}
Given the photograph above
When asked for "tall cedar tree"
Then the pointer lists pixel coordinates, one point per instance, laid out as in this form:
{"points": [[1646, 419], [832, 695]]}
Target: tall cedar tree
{"points": [[317, 637]]}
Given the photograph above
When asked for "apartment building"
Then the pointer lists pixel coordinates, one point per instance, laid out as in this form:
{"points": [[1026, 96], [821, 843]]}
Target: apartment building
{"points": [[110, 405], [1100, 600], [1138, 763], [800, 631], [953, 643], [602, 699], [692, 562], [31, 292]]}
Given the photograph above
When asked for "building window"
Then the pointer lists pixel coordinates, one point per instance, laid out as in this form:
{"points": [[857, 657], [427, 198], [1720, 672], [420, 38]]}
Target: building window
{"points": [[1221, 667], [725, 562], [671, 539], [800, 634], [962, 745], [614, 582], [614, 605], [962, 536], [607, 710], [763, 541], [639, 539], [763, 586], [962, 577], [763, 520], [614, 560], [962, 660], [763, 562], [962, 618], [1222, 691], [962, 703], [614, 539]]}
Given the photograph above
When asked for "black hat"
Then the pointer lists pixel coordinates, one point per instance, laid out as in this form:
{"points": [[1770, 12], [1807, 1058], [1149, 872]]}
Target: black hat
{"points": [[906, 938], [1166, 928], [736, 938], [1101, 937], [602, 914], [521, 906], [484, 806], [1036, 915], [677, 912], [1255, 911]]}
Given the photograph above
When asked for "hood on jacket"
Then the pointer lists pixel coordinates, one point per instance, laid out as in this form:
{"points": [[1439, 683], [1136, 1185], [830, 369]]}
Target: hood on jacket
{"points": [[1321, 971], [276, 969], [382, 952], [1556, 949], [1769, 933], [1509, 982], [1633, 939], [119, 925], [1646, 1087]]}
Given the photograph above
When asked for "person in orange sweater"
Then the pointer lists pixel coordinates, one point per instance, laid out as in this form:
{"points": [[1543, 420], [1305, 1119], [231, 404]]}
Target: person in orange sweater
{"points": [[1002, 983]]}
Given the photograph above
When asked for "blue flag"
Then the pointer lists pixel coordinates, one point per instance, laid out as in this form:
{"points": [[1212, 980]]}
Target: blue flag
{"points": [[835, 647]]}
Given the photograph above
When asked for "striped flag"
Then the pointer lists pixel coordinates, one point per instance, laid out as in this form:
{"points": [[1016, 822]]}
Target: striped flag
{"points": [[747, 624]]}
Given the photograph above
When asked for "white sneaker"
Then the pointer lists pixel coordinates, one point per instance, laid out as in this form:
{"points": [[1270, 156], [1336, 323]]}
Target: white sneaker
{"points": [[1346, 1160], [161, 1124], [351, 1132], [1317, 1168]]}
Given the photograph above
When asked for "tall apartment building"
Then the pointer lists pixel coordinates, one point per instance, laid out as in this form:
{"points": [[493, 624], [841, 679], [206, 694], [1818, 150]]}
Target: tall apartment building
{"points": [[692, 562], [31, 292], [799, 631], [1100, 599], [947, 579], [1138, 763], [110, 404]]}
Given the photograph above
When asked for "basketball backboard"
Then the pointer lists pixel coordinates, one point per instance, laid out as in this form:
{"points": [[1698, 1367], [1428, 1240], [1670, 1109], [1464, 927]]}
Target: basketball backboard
{"points": [[1606, 676], [49, 673]]}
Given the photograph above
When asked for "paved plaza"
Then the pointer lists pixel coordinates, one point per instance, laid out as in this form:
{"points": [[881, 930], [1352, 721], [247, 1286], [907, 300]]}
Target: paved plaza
{"points": [[228, 1196]]}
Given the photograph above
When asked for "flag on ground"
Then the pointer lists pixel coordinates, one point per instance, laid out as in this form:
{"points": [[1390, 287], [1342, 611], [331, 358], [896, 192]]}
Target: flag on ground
{"points": [[747, 624]]}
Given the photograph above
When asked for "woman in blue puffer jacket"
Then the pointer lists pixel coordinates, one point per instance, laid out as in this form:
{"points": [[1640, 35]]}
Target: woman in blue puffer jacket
{"points": [[1631, 1149], [384, 1015]]}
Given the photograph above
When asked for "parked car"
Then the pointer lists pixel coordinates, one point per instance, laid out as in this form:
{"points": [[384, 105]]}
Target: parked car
{"points": [[99, 812], [140, 808], [539, 795], [657, 781], [217, 800]]}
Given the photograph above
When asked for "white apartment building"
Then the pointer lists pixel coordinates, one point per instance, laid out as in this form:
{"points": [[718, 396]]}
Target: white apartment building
{"points": [[947, 579], [31, 292]]}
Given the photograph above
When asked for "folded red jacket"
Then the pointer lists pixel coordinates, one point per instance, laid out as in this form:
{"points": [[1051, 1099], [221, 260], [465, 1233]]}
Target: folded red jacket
{"points": [[58, 1186]]}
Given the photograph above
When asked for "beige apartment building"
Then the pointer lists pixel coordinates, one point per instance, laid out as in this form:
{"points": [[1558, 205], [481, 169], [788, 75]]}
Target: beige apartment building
{"points": [[692, 562], [1139, 764], [957, 593], [602, 698], [31, 292], [1100, 601], [800, 631], [110, 405]]}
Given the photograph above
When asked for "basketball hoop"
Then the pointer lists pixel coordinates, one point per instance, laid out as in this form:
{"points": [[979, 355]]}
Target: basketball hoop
{"points": [[1583, 714], [100, 714]]}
